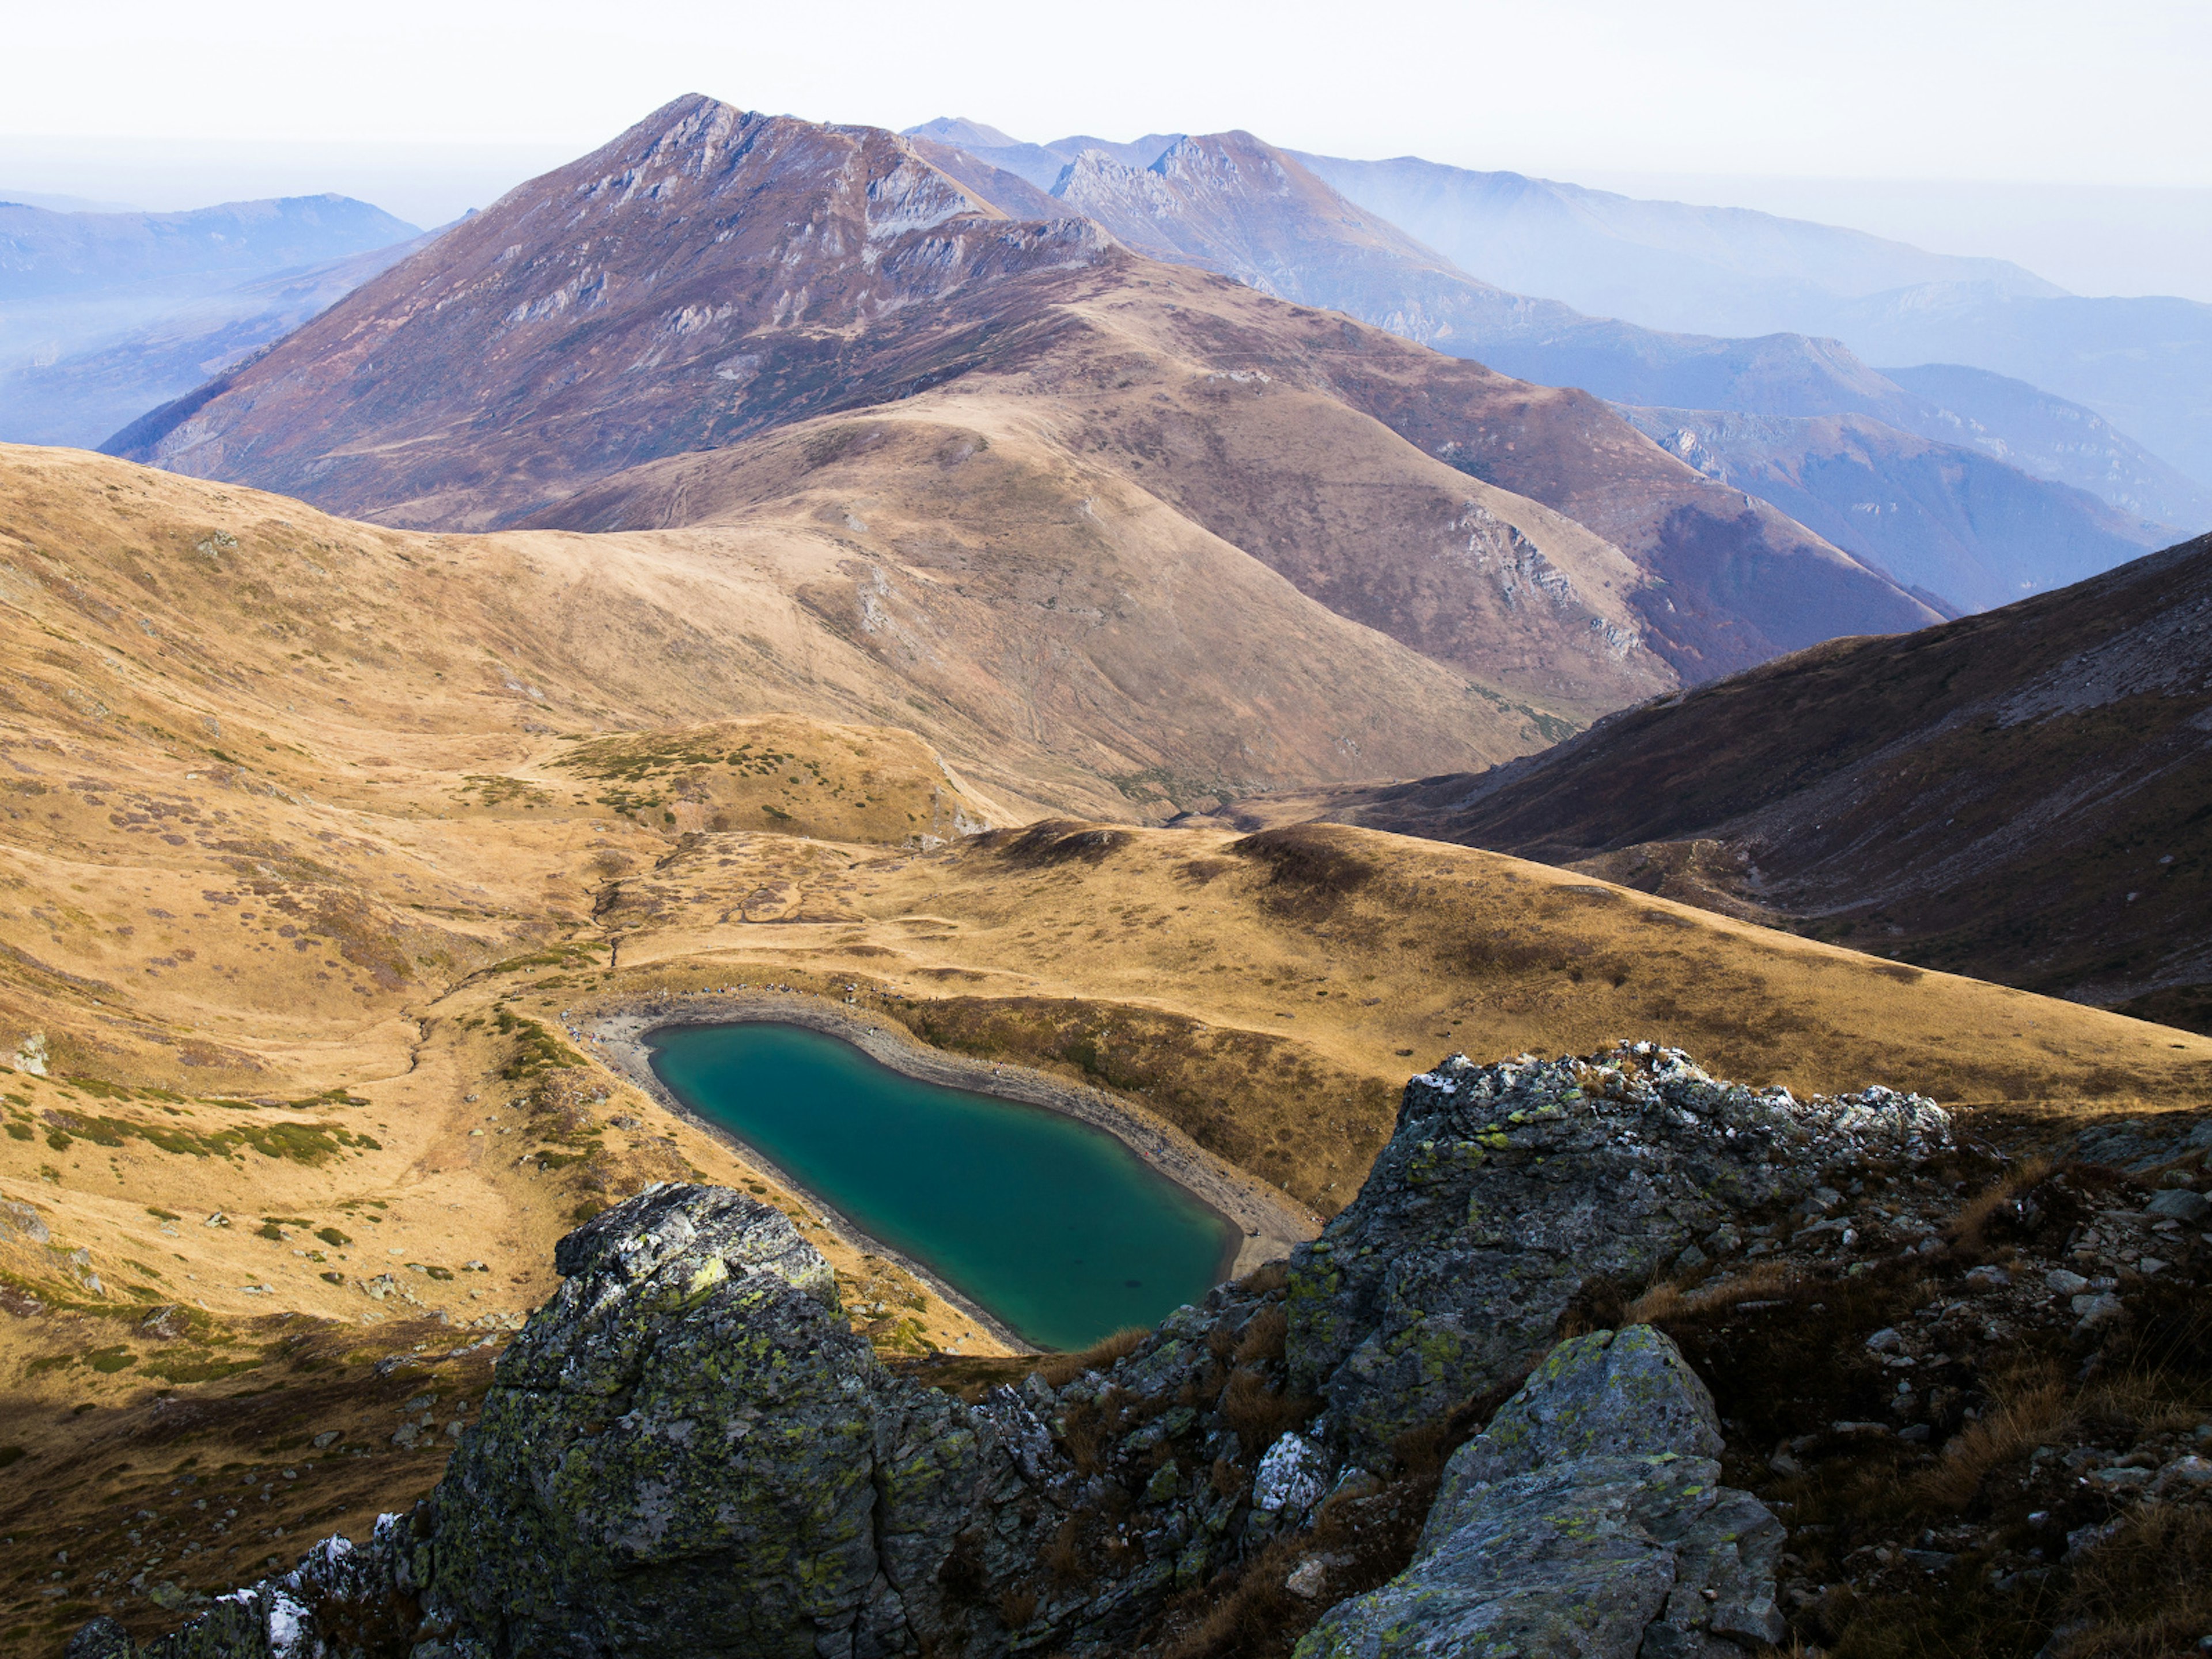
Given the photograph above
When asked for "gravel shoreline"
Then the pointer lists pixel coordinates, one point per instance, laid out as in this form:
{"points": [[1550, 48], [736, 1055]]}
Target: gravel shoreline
{"points": [[1267, 1224]]}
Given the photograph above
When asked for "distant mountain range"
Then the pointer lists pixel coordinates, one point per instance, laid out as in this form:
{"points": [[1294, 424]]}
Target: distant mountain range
{"points": [[83, 396], [1231, 203], [1665, 265], [1943, 519], [1528, 538], [2143, 364], [1911, 490], [103, 314]]}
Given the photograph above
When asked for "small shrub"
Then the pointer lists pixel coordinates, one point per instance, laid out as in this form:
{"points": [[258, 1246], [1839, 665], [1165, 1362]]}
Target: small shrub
{"points": [[1062, 1369], [1259, 1415]]}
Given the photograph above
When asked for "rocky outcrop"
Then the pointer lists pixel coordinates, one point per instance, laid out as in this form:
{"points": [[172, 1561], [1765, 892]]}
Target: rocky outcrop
{"points": [[688, 1450], [1509, 1191], [1589, 1518]]}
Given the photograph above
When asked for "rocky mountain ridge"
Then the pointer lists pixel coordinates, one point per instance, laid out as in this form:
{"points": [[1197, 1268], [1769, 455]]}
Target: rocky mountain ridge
{"points": [[1228, 202]]}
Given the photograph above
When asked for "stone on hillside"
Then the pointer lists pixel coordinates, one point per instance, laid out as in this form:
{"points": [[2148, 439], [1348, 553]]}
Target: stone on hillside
{"points": [[1587, 1521], [678, 1454], [1507, 1189], [1608, 1394], [2179, 1204]]}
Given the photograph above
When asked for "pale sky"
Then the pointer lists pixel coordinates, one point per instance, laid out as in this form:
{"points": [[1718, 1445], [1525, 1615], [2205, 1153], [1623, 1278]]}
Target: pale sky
{"points": [[1944, 92]]}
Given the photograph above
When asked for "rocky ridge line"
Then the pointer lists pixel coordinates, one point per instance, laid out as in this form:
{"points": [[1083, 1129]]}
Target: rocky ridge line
{"points": [[687, 1449]]}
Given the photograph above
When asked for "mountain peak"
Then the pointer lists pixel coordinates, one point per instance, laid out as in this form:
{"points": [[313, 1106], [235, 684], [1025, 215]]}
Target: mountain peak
{"points": [[678, 272], [958, 129]]}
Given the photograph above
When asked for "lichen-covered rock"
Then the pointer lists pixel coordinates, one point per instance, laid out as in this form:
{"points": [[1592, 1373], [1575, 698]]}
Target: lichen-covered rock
{"points": [[1588, 1520], [1507, 1189], [1629, 1393], [678, 1454], [342, 1602]]}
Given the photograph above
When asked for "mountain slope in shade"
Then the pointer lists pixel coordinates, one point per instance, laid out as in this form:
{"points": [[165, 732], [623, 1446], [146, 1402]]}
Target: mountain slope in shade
{"points": [[1941, 518], [743, 273], [2020, 795]]}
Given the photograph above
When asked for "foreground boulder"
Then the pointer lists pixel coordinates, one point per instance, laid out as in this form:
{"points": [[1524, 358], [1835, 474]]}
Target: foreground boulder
{"points": [[1588, 1519], [1510, 1191], [688, 1451]]}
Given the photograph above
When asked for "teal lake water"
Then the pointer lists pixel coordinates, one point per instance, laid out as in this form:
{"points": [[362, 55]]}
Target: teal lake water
{"points": [[1057, 1228]]}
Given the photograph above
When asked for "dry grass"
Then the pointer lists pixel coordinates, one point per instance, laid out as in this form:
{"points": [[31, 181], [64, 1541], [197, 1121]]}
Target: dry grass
{"points": [[1264, 1337], [2027, 1411], [1970, 1229], [1016, 1607], [1668, 1299], [1062, 1369], [2148, 1593], [1260, 1412], [324, 902]]}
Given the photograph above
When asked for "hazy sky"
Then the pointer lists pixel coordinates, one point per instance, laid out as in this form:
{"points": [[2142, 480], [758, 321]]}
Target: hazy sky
{"points": [[1949, 91]]}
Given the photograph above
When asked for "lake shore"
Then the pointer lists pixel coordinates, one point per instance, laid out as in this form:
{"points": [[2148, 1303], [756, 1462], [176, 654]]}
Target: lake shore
{"points": [[1266, 1224]]}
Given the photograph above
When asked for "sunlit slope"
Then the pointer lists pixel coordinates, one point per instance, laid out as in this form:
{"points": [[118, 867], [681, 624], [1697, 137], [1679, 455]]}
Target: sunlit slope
{"points": [[315, 830], [1271, 993], [1097, 654]]}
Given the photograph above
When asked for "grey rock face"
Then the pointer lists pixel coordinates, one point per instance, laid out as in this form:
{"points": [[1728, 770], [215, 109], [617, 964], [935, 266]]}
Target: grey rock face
{"points": [[1589, 1520], [1506, 1189], [2179, 1203], [679, 1447]]}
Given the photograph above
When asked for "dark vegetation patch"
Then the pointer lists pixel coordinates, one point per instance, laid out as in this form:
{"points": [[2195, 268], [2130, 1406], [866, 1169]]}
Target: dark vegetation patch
{"points": [[302, 1143], [1310, 867], [536, 1051], [1053, 841]]}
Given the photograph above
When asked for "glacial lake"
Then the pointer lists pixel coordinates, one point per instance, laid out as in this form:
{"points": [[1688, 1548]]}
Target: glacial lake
{"points": [[1059, 1229]]}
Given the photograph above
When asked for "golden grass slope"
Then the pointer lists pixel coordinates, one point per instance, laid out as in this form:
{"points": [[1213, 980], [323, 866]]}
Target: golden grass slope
{"points": [[1095, 653], [1129, 448], [1271, 993]]}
